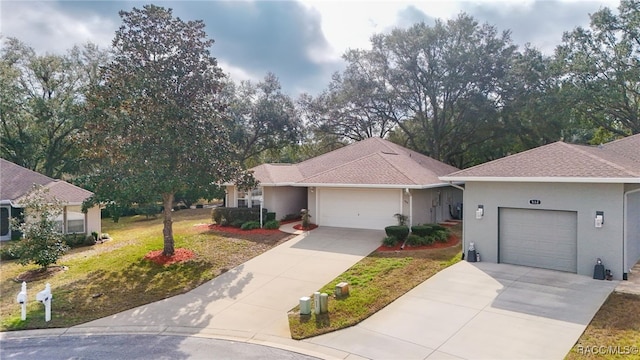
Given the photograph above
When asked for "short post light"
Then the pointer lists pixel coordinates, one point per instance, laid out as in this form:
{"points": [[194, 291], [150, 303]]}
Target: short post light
{"points": [[22, 300], [45, 297]]}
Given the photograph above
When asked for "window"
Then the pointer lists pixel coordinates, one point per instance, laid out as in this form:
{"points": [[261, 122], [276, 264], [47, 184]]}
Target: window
{"points": [[75, 219], [243, 198]]}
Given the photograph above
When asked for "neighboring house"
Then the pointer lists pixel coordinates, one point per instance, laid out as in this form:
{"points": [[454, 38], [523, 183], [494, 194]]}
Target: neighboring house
{"points": [[362, 185], [16, 181], [558, 206]]}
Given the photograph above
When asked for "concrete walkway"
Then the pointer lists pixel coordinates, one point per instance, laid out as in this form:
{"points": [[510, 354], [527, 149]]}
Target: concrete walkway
{"points": [[250, 302], [479, 311]]}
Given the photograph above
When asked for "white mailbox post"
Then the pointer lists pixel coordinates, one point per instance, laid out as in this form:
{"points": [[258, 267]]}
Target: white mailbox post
{"points": [[45, 297], [22, 300]]}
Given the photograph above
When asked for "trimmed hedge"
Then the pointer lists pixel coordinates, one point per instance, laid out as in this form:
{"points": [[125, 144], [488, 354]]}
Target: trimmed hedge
{"points": [[272, 224], [400, 232], [422, 230], [270, 216], [229, 216]]}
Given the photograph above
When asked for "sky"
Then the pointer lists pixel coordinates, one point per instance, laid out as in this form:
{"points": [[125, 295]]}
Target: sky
{"points": [[301, 42]]}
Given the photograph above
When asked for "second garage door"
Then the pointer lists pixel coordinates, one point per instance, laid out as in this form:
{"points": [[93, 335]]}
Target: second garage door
{"points": [[539, 238], [356, 208]]}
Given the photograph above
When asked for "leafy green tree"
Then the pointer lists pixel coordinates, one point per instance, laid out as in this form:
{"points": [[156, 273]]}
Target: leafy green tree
{"points": [[602, 66], [438, 84], [43, 241], [156, 118], [262, 117], [41, 105]]}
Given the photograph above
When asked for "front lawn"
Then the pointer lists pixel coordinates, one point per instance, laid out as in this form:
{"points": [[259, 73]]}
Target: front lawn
{"points": [[108, 278], [374, 282], [614, 333]]}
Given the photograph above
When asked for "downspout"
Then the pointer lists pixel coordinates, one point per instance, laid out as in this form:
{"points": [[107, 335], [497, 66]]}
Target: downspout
{"points": [[406, 190], [625, 232]]}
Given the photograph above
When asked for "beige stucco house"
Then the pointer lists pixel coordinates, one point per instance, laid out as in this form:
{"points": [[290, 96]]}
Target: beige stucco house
{"points": [[362, 185], [16, 181], [559, 206]]}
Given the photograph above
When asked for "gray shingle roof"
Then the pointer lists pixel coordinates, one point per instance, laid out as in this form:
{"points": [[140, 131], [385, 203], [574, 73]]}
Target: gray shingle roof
{"points": [[373, 161], [617, 160], [16, 181]]}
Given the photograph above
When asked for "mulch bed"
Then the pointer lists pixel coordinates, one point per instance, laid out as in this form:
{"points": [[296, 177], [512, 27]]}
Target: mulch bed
{"points": [[452, 241], [179, 255], [310, 227]]}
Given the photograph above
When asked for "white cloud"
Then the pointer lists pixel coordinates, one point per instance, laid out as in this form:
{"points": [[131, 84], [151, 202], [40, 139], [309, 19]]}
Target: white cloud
{"points": [[46, 28]]}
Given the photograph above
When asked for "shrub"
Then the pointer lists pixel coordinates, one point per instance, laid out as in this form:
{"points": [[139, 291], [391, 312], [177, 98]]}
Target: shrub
{"points": [[422, 230], [74, 240], [390, 241], [272, 224], [42, 244], [402, 219], [9, 251], [250, 225], [400, 232], [226, 215], [95, 235], [89, 240], [437, 227], [415, 240], [270, 216], [441, 235], [238, 223]]}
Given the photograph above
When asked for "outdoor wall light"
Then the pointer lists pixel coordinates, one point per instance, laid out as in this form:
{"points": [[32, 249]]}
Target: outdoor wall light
{"points": [[480, 212], [312, 189], [599, 221]]}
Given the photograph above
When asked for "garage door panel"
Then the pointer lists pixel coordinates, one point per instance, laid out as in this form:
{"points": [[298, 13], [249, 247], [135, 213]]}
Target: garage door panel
{"points": [[355, 208], [539, 238]]}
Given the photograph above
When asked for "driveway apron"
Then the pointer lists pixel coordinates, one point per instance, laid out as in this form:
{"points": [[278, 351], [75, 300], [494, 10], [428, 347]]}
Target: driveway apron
{"points": [[479, 311], [252, 299]]}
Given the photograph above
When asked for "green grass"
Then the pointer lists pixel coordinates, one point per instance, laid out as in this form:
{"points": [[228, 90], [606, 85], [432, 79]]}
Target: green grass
{"points": [[374, 282], [616, 325], [108, 278]]}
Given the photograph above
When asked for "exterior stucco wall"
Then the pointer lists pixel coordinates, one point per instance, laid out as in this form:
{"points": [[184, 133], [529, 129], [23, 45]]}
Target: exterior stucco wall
{"points": [[585, 199], [312, 204], [432, 205], [284, 200], [94, 223], [231, 194], [632, 227]]}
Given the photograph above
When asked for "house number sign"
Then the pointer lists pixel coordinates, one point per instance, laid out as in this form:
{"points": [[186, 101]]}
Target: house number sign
{"points": [[535, 202]]}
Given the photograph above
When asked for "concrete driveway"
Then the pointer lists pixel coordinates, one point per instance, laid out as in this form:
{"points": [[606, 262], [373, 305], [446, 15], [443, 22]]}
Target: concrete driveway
{"points": [[479, 311], [250, 302]]}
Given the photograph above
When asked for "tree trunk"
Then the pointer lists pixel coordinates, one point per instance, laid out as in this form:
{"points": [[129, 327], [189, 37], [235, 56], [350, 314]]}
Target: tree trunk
{"points": [[167, 231]]}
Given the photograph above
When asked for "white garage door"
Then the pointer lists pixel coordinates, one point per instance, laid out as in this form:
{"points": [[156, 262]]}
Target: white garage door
{"points": [[357, 208], [539, 238]]}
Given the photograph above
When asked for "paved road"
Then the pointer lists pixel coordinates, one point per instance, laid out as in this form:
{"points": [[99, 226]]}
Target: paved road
{"points": [[152, 347]]}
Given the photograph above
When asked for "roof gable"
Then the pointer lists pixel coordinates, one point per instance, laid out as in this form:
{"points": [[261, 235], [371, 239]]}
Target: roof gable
{"points": [[16, 181], [373, 161], [616, 160]]}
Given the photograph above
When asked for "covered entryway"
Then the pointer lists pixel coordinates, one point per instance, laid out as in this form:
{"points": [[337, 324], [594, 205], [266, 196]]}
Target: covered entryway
{"points": [[358, 208], [5, 223], [538, 238]]}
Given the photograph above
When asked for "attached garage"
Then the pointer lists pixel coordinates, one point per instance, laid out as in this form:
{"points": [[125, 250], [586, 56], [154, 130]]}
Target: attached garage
{"points": [[538, 238], [358, 208]]}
